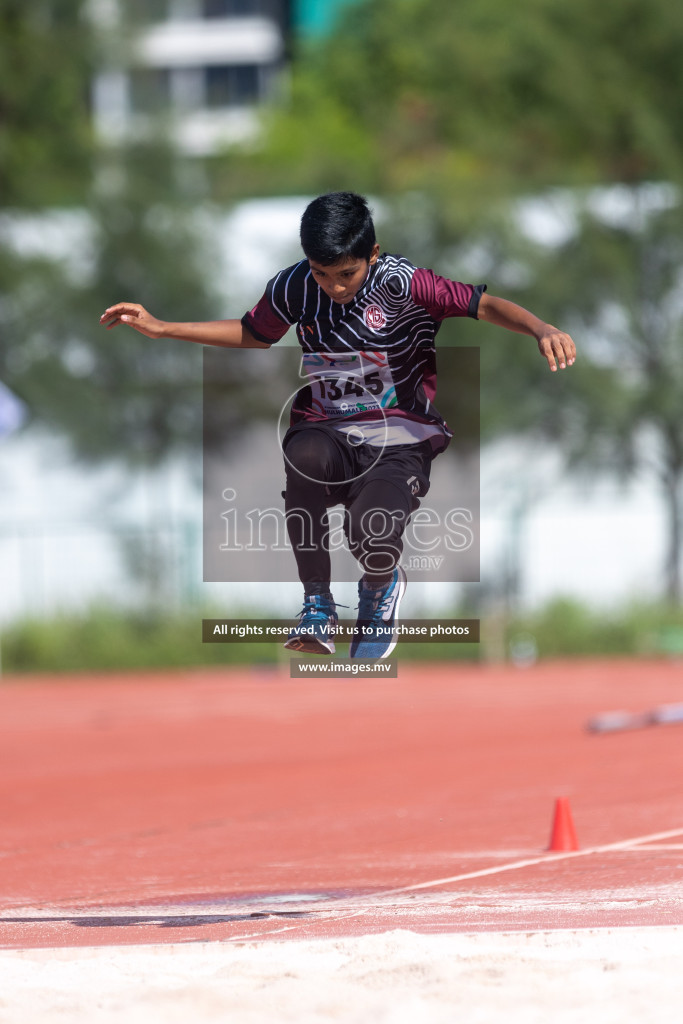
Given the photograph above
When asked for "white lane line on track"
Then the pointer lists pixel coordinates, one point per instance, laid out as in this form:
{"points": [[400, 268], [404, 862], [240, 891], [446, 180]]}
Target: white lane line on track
{"points": [[547, 858], [349, 905], [654, 846]]}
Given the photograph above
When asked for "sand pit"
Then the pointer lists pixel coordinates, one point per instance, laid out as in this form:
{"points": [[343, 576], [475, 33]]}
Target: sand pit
{"points": [[614, 976]]}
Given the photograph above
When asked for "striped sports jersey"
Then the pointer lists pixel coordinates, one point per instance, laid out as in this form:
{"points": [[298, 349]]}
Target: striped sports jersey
{"points": [[370, 362]]}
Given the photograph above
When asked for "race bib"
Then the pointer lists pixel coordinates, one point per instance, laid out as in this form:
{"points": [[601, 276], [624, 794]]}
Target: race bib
{"points": [[349, 383]]}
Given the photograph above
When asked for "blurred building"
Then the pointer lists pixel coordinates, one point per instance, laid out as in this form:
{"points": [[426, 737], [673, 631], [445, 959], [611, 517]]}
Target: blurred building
{"points": [[203, 65]]}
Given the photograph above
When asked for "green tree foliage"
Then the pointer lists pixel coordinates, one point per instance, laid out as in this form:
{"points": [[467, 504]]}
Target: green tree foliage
{"points": [[473, 98], [46, 146], [113, 394], [46, 153], [618, 277]]}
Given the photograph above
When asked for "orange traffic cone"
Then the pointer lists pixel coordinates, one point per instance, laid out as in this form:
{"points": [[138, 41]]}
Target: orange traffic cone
{"points": [[563, 835]]}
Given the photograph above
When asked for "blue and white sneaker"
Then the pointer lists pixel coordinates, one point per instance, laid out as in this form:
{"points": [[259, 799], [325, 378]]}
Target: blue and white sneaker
{"points": [[314, 633], [376, 634]]}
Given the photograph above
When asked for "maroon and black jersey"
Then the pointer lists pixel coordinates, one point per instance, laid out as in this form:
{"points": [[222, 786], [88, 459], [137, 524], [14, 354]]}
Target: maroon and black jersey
{"points": [[370, 359]]}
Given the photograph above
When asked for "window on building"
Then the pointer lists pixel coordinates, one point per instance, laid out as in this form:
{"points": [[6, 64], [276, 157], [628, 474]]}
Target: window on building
{"points": [[229, 8], [233, 8], [232, 85]]}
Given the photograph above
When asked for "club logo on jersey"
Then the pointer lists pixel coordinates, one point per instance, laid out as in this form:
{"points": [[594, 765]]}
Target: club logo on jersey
{"points": [[375, 318]]}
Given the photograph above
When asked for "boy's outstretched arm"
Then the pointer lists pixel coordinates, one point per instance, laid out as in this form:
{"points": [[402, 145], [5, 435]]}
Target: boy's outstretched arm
{"points": [[223, 333], [555, 346]]}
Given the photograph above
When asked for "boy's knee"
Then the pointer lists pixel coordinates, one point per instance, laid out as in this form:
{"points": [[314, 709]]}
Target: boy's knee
{"points": [[307, 458]]}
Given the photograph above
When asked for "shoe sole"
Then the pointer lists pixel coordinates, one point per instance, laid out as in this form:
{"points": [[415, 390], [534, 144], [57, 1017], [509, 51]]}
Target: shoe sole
{"points": [[309, 646]]}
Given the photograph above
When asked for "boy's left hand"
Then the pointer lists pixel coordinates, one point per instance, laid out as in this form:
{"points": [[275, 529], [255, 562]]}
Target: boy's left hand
{"points": [[556, 347]]}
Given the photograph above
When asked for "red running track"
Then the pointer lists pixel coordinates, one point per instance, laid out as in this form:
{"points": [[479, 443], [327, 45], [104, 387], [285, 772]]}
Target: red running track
{"points": [[203, 805]]}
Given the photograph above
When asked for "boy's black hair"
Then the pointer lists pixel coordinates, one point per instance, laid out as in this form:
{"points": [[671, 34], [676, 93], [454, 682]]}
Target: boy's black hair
{"points": [[336, 227]]}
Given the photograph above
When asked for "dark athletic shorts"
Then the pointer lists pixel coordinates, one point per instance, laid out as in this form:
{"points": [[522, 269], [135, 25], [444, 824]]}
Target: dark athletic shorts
{"points": [[406, 466]]}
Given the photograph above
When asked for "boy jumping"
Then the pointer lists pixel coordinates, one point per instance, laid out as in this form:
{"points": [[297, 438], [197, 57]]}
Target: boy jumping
{"points": [[364, 431]]}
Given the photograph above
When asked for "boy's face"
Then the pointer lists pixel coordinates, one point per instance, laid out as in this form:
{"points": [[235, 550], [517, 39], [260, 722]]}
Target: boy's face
{"points": [[342, 280]]}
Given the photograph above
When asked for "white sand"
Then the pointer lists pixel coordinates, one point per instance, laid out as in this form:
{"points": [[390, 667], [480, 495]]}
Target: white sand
{"points": [[610, 976]]}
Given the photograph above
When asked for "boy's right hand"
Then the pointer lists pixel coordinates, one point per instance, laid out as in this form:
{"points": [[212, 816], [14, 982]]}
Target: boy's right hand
{"points": [[136, 316]]}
